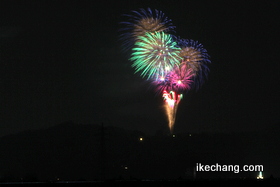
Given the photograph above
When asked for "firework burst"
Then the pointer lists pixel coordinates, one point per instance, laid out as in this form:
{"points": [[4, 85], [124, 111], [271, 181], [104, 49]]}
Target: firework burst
{"points": [[155, 55], [179, 79], [172, 64], [143, 21], [195, 57]]}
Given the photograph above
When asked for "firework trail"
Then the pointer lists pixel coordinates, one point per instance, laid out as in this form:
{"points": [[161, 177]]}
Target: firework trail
{"points": [[171, 102], [155, 55], [179, 79]]}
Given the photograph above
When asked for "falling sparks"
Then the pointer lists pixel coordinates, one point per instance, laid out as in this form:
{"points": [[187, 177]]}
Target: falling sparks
{"points": [[171, 102]]}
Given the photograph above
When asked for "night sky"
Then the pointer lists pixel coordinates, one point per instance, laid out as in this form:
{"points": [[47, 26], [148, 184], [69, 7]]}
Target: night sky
{"points": [[63, 61]]}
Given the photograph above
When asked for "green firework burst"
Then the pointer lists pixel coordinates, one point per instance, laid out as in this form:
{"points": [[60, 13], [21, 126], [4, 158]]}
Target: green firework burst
{"points": [[155, 54]]}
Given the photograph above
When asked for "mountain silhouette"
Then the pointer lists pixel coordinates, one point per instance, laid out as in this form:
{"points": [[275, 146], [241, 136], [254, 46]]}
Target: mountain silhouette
{"points": [[72, 151]]}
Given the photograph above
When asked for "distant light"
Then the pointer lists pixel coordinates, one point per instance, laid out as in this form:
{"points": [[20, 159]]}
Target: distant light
{"points": [[190, 134], [141, 139], [125, 167], [260, 176], [173, 136]]}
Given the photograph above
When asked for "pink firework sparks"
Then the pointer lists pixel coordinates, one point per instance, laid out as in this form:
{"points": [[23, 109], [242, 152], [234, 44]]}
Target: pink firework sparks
{"points": [[181, 77], [178, 79]]}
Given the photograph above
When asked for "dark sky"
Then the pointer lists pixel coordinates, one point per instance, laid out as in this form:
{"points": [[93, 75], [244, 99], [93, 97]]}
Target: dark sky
{"points": [[62, 61]]}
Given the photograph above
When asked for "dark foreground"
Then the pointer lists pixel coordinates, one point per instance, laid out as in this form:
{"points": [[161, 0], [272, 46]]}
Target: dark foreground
{"points": [[147, 182]]}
